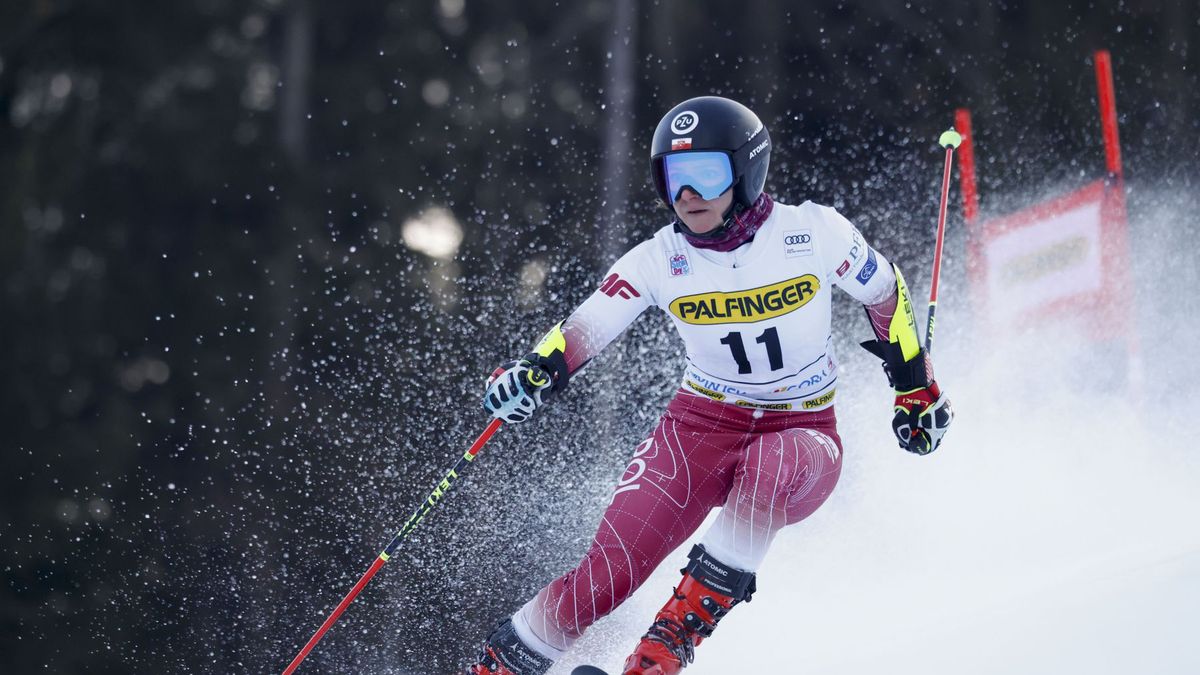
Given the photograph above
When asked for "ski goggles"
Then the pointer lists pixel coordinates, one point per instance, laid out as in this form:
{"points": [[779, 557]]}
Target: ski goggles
{"points": [[707, 173]]}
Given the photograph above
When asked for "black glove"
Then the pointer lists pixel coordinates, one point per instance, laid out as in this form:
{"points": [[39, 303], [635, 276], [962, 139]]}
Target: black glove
{"points": [[922, 412]]}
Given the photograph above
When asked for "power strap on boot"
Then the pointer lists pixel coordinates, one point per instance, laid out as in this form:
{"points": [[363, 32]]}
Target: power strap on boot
{"points": [[716, 575], [708, 590]]}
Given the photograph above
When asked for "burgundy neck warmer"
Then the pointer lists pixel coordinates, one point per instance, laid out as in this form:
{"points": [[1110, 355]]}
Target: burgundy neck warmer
{"points": [[739, 229]]}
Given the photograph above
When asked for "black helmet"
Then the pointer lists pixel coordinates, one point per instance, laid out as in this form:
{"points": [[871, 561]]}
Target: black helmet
{"points": [[715, 123]]}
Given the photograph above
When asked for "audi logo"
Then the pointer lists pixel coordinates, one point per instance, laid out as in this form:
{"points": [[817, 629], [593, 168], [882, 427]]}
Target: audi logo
{"points": [[685, 122], [797, 239]]}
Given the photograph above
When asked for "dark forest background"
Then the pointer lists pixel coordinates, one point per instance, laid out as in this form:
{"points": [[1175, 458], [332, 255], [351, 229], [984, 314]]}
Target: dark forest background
{"points": [[228, 370]]}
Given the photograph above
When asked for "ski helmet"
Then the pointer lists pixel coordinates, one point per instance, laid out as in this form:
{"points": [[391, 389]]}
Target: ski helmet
{"points": [[716, 125]]}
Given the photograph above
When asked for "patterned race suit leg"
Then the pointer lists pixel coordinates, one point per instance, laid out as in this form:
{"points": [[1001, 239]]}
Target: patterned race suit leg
{"points": [[769, 469], [783, 478]]}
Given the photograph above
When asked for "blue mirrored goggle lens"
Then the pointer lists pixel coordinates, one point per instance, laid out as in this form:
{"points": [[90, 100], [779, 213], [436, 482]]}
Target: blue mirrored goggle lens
{"points": [[709, 174]]}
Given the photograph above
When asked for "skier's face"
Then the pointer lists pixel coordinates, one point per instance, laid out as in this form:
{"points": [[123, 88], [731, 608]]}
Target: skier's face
{"points": [[702, 215]]}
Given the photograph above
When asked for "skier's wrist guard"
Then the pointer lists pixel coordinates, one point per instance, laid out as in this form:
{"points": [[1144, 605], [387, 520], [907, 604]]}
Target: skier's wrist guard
{"points": [[904, 376], [549, 357], [904, 361], [717, 576]]}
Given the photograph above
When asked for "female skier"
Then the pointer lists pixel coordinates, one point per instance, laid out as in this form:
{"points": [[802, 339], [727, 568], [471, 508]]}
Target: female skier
{"points": [[747, 283]]}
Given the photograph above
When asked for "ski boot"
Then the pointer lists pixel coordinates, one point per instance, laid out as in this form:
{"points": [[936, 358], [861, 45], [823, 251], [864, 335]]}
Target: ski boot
{"points": [[708, 591], [505, 654]]}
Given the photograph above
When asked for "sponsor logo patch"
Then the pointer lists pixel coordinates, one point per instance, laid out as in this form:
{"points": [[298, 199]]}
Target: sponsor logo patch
{"points": [[679, 264], [684, 122], [716, 396], [748, 306], [714, 385], [810, 382], [819, 401], [797, 243], [681, 143], [614, 285], [857, 245], [843, 268], [763, 406], [868, 270]]}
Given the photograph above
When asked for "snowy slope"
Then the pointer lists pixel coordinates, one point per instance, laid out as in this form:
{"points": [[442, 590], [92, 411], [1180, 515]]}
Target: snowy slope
{"points": [[1059, 539]]}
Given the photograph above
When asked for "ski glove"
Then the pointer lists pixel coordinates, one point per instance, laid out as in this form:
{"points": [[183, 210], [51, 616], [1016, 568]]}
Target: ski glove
{"points": [[922, 418], [922, 412], [517, 388]]}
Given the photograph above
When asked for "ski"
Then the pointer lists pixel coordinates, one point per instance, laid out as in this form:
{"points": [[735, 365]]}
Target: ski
{"points": [[587, 670]]}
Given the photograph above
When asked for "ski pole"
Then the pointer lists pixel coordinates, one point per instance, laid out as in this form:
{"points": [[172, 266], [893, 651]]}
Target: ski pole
{"points": [[949, 140], [434, 498]]}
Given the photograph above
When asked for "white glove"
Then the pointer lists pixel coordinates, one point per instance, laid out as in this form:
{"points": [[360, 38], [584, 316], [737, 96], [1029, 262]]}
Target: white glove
{"points": [[515, 390]]}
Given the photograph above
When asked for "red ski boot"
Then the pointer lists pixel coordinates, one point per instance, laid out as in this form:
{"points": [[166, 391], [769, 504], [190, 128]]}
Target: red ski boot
{"points": [[505, 654], [708, 591]]}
